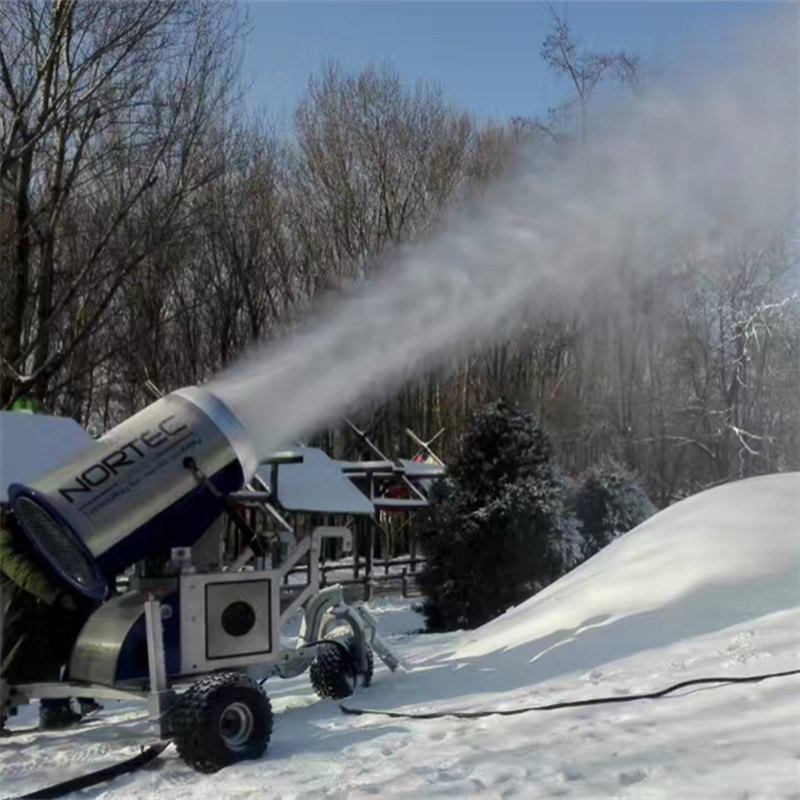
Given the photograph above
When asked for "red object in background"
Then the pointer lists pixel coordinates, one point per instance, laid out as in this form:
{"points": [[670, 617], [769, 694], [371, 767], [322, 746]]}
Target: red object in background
{"points": [[397, 492]]}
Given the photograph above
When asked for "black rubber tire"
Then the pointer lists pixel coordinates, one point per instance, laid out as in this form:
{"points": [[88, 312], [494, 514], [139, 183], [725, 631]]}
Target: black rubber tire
{"points": [[332, 672], [208, 707]]}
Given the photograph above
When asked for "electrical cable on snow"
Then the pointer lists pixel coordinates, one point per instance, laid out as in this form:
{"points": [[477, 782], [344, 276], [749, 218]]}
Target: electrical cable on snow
{"points": [[147, 755], [152, 752], [594, 701]]}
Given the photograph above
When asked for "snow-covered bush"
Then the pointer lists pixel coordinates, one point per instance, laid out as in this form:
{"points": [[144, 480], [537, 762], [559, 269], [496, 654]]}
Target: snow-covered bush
{"points": [[608, 501], [499, 527]]}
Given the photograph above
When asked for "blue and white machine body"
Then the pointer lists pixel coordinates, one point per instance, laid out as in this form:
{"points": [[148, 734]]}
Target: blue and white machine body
{"points": [[161, 487], [129, 495]]}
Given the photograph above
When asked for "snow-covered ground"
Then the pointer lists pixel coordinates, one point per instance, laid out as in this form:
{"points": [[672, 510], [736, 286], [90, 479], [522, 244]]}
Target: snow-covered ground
{"points": [[709, 587]]}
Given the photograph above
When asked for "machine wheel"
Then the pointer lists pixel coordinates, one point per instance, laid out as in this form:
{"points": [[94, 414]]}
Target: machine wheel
{"points": [[223, 718], [332, 671]]}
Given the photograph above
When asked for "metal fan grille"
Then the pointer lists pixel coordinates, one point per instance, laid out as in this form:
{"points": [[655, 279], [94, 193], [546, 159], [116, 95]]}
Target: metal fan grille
{"points": [[57, 542]]}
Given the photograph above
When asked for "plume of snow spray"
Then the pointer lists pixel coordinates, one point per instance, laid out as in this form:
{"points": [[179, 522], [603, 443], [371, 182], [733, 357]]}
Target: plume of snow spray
{"points": [[679, 170]]}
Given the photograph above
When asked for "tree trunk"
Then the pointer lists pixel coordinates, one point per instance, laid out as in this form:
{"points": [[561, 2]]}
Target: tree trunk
{"points": [[13, 315]]}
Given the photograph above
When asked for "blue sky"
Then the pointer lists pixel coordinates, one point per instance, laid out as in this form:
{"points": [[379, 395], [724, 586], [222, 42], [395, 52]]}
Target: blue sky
{"points": [[483, 55]]}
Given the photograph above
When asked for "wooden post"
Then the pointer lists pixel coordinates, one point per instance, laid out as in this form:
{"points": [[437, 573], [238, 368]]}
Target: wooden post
{"points": [[356, 546], [370, 549]]}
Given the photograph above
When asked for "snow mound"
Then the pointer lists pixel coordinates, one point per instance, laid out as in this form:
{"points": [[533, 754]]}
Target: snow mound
{"points": [[708, 586], [714, 560]]}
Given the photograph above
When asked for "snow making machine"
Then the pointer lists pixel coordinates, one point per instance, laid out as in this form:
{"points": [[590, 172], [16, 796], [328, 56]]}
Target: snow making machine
{"points": [[190, 633]]}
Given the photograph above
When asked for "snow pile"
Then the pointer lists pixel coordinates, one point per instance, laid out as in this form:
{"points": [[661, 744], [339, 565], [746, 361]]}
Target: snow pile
{"points": [[721, 558], [715, 559]]}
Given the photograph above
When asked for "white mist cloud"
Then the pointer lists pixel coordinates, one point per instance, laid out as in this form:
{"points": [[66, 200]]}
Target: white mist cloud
{"points": [[697, 167]]}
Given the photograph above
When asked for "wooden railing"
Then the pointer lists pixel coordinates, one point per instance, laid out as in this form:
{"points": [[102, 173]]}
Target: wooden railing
{"points": [[372, 582]]}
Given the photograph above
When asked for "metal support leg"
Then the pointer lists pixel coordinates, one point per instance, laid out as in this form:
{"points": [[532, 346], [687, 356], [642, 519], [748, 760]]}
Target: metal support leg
{"points": [[160, 697], [365, 628]]}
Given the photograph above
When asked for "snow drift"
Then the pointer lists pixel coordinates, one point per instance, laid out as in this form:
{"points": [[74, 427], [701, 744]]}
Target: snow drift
{"points": [[710, 561], [724, 557]]}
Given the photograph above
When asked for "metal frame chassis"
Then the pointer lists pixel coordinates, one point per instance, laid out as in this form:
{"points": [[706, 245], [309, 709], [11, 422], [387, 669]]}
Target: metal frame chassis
{"points": [[160, 692], [328, 603], [159, 697]]}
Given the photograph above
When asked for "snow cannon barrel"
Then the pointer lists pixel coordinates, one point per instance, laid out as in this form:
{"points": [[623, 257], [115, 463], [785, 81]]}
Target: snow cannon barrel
{"points": [[134, 492]]}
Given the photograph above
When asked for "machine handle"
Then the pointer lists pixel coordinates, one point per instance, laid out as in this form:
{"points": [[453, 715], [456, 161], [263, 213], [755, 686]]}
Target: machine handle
{"points": [[251, 537]]}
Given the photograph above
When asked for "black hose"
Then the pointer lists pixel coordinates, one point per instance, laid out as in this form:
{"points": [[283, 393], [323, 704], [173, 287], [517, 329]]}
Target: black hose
{"points": [[152, 752], [147, 755], [594, 701]]}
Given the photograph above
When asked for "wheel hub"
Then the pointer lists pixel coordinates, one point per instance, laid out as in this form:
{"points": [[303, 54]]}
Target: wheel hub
{"points": [[236, 725]]}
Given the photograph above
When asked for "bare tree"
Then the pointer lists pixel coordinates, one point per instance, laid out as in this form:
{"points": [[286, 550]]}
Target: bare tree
{"points": [[102, 116], [583, 69], [376, 162]]}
